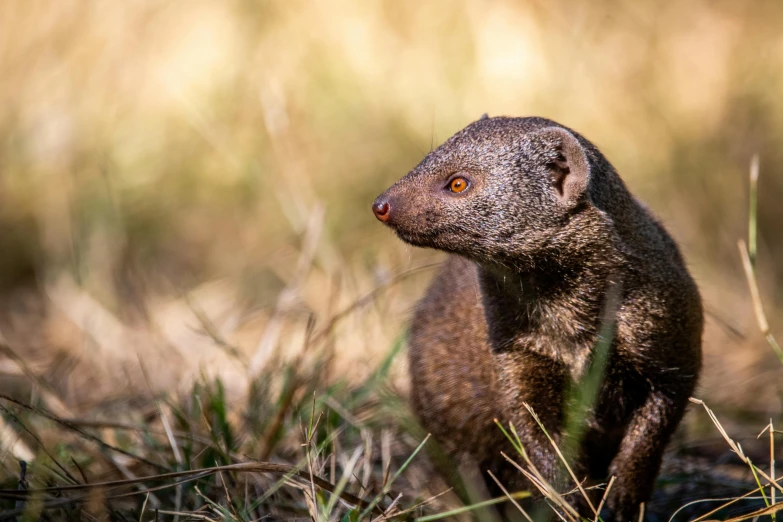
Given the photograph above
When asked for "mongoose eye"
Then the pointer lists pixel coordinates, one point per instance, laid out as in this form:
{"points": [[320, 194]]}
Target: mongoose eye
{"points": [[458, 185]]}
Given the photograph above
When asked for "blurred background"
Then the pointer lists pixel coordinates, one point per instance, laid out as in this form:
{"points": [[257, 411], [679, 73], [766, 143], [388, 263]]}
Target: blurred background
{"points": [[184, 187]]}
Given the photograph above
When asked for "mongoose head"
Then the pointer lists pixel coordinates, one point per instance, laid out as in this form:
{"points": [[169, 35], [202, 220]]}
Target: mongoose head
{"points": [[500, 190]]}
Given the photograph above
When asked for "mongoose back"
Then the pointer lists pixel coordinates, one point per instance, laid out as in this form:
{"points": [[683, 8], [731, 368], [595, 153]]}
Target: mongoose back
{"points": [[551, 256]]}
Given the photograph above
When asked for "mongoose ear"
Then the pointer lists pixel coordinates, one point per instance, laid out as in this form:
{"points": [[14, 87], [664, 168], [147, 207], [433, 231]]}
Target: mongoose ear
{"points": [[484, 116], [567, 164]]}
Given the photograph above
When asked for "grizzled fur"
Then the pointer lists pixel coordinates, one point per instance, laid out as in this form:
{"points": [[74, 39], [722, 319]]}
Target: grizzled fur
{"points": [[548, 243]]}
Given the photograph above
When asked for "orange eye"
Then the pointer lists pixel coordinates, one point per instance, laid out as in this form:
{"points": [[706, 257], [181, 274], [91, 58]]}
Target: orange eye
{"points": [[458, 184]]}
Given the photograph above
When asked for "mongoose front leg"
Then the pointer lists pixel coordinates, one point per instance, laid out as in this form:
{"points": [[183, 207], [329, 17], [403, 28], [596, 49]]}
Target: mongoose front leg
{"points": [[538, 381], [637, 463]]}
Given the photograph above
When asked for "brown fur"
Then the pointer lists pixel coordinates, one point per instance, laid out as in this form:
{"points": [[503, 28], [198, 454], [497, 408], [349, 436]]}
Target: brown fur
{"points": [[545, 232]]}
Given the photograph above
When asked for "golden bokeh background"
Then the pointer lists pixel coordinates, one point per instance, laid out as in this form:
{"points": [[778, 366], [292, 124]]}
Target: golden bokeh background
{"points": [[171, 167]]}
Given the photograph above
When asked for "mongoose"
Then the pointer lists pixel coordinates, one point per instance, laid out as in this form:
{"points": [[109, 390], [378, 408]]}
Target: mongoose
{"points": [[542, 232]]}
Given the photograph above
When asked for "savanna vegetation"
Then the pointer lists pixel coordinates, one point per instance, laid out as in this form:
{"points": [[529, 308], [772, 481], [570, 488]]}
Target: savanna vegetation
{"points": [[200, 319]]}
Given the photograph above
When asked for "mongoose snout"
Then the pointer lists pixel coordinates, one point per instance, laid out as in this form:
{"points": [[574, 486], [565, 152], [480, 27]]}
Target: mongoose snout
{"points": [[381, 209], [542, 230]]}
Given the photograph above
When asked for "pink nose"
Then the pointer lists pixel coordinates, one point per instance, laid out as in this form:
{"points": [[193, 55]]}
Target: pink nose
{"points": [[381, 210]]}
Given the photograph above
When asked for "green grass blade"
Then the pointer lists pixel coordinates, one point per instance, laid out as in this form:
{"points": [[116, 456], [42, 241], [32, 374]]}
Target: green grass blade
{"points": [[465, 509]]}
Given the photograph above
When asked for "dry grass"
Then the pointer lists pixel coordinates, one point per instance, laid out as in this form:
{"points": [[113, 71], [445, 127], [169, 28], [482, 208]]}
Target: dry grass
{"points": [[300, 442], [191, 279]]}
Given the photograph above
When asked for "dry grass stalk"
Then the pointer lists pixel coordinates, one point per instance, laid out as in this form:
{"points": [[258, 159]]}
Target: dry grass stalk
{"points": [[758, 307], [510, 497], [562, 459], [546, 489], [735, 447], [189, 475], [603, 499]]}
